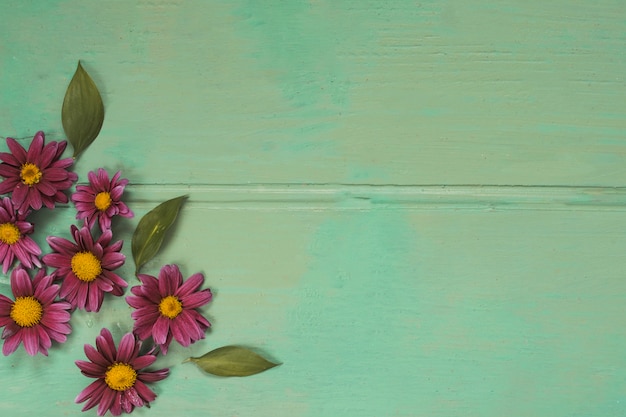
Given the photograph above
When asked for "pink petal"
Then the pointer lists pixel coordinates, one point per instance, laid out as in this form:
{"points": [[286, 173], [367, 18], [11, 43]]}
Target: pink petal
{"points": [[57, 174], [93, 390], [96, 357], [102, 178], [137, 302], [197, 299], [181, 335], [143, 361], [9, 171], [190, 285], [108, 396], [126, 348], [153, 376], [36, 147], [21, 284], [186, 321], [115, 279], [11, 343], [170, 279], [44, 340], [144, 392], [17, 150], [20, 192], [94, 298], [116, 406], [21, 254], [117, 192], [63, 246], [10, 160], [106, 346], [30, 246], [113, 260], [45, 292], [127, 405], [70, 287], [90, 369], [96, 395], [34, 198], [160, 330], [81, 296], [46, 188], [30, 338], [133, 396], [5, 305]]}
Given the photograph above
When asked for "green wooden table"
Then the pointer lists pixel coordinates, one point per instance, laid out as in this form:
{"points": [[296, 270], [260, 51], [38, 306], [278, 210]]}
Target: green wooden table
{"points": [[417, 207]]}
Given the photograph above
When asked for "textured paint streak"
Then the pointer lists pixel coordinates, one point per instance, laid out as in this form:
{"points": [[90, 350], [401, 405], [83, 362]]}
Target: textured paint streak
{"points": [[357, 314], [296, 43]]}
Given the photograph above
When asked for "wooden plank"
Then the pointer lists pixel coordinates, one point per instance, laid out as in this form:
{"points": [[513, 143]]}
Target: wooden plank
{"points": [[346, 91], [380, 310]]}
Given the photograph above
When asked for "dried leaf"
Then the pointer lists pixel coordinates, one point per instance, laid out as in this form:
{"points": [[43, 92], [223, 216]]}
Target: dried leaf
{"points": [[83, 112], [151, 229], [232, 361]]}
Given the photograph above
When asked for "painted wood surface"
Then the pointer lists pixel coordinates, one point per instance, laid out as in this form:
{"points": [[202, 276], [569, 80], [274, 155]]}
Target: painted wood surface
{"points": [[417, 207]]}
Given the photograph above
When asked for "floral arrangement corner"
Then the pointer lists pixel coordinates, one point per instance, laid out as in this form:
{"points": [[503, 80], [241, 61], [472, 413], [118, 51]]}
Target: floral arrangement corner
{"points": [[166, 308]]}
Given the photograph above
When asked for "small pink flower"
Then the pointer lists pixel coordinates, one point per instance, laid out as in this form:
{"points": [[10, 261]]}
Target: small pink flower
{"points": [[100, 200], [34, 318], [14, 242], [120, 378], [86, 267], [37, 177], [166, 308]]}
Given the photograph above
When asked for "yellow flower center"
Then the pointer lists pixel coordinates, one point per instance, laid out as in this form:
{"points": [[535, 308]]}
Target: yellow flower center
{"points": [[103, 201], [9, 233], [30, 174], [120, 376], [86, 266], [26, 311], [170, 307]]}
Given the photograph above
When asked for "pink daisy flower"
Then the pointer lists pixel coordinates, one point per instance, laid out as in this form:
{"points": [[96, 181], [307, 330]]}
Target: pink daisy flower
{"points": [[120, 384], [100, 200], [86, 267], [37, 177], [166, 308], [14, 242], [34, 318]]}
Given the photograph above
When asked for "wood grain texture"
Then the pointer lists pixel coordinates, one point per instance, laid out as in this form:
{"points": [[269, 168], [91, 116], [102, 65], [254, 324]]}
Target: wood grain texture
{"points": [[416, 207]]}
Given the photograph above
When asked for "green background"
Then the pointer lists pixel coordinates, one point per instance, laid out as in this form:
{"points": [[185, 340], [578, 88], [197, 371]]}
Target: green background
{"points": [[416, 206]]}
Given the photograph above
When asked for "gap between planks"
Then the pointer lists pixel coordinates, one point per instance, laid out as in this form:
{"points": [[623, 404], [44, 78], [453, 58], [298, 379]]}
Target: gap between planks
{"points": [[387, 196]]}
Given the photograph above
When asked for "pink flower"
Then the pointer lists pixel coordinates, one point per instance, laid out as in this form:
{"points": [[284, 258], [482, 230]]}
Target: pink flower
{"points": [[120, 384], [34, 317], [14, 242], [100, 200], [37, 177], [166, 308], [86, 267]]}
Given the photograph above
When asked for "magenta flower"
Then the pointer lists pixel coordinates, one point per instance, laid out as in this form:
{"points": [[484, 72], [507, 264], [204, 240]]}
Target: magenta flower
{"points": [[34, 318], [100, 200], [14, 242], [166, 308], [120, 384], [86, 267], [37, 177]]}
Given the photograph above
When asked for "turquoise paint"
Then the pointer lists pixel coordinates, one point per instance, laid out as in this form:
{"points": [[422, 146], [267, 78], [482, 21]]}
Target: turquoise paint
{"points": [[492, 300], [358, 316], [295, 44]]}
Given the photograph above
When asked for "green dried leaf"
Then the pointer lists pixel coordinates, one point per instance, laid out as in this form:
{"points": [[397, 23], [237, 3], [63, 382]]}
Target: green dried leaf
{"points": [[83, 112], [151, 229], [232, 361]]}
